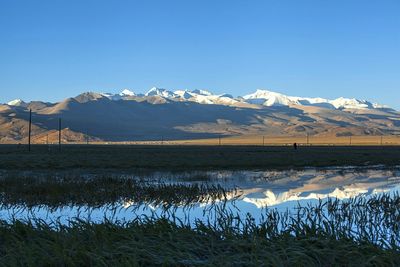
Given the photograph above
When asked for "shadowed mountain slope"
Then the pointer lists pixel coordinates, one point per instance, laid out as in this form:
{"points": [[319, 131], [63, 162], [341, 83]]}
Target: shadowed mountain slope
{"points": [[140, 117]]}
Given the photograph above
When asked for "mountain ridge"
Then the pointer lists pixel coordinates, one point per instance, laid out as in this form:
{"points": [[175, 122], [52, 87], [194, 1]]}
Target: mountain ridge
{"points": [[259, 97], [193, 114]]}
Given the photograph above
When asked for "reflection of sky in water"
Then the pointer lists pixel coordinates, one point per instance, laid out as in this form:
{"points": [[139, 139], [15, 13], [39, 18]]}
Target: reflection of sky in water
{"points": [[282, 190]]}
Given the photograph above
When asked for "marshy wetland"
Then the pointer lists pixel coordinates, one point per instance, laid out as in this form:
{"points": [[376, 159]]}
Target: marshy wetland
{"points": [[197, 214]]}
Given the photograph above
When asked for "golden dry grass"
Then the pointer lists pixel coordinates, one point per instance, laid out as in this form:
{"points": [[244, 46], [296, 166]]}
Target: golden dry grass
{"points": [[256, 140], [259, 140], [301, 140]]}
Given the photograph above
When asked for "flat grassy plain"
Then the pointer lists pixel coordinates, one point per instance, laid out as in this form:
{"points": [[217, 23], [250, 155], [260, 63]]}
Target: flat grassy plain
{"points": [[190, 158], [246, 140], [258, 140]]}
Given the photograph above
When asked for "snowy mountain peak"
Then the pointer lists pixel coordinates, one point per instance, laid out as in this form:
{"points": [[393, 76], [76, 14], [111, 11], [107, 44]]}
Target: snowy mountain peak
{"points": [[17, 103], [184, 94], [263, 94], [127, 92], [269, 98], [351, 103], [120, 96], [160, 92]]}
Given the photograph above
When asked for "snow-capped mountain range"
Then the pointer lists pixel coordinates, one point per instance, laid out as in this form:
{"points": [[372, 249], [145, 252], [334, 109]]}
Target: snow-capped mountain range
{"points": [[268, 98], [259, 97], [188, 114]]}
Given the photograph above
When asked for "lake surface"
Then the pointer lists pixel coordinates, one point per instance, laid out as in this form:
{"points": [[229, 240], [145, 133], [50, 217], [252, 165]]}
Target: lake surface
{"points": [[255, 191]]}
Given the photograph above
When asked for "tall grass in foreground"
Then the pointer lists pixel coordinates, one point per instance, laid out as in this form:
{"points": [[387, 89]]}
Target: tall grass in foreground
{"points": [[53, 192], [355, 232]]}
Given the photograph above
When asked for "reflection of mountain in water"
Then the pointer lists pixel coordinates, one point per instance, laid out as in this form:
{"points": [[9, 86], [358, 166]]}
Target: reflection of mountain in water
{"points": [[272, 188], [272, 199], [254, 190]]}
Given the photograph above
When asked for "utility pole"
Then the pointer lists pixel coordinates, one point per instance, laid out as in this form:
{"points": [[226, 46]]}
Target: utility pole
{"points": [[47, 142], [381, 140], [308, 139], [263, 140], [219, 140], [350, 139], [29, 129], [162, 140], [59, 134]]}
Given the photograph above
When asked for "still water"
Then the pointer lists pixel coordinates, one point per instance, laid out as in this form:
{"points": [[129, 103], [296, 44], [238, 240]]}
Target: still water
{"points": [[255, 191]]}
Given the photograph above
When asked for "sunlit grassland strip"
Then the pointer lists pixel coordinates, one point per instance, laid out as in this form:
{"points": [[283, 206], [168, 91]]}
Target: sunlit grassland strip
{"points": [[247, 140]]}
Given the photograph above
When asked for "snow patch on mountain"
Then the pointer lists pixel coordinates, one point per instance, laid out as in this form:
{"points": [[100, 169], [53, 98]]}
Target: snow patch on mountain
{"points": [[343, 103], [160, 92], [120, 96], [112, 96], [201, 92], [127, 92], [376, 105], [205, 97], [184, 94], [17, 103], [268, 98]]}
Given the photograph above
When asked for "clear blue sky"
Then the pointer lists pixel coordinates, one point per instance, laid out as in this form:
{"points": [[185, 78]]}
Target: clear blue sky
{"points": [[52, 49]]}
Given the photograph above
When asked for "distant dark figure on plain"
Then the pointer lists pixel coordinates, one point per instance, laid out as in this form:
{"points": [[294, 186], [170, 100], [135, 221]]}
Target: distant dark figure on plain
{"points": [[295, 146]]}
